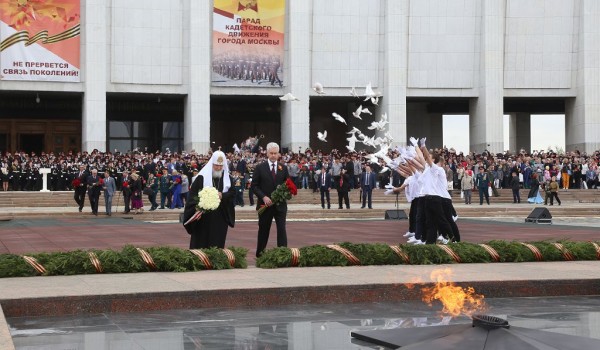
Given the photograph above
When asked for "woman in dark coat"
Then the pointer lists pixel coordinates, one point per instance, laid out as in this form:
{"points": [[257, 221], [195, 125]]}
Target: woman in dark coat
{"points": [[136, 194], [534, 192]]}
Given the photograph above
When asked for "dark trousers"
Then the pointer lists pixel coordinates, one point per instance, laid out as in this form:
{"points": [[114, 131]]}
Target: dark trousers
{"points": [[343, 196], [421, 217], [449, 212], [264, 227], [483, 192], [152, 199], [325, 195], [552, 196], [367, 191], [239, 197], [436, 219], [251, 197], [165, 196], [412, 216], [94, 197], [516, 196], [126, 201], [80, 196]]}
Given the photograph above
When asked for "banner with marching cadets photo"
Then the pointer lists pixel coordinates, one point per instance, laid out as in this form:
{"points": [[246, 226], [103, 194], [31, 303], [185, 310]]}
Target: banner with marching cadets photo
{"points": [[40, 40], [247, 47]]}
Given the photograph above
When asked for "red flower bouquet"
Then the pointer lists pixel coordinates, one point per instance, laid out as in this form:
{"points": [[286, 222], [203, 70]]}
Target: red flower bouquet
{"points": [[281, 194], [125, 184], [76, 183]]}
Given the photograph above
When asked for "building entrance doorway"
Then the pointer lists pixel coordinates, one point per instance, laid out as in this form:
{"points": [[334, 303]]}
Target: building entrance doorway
{"points": [[3, 143], [32, 143]]}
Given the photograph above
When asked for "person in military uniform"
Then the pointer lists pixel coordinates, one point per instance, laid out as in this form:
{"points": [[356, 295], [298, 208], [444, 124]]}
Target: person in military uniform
{"points": [[53, 177], [163, 186], [4, 174], [14, 175], [126, 189], [94, 185], [238, 186], [81, 177]]}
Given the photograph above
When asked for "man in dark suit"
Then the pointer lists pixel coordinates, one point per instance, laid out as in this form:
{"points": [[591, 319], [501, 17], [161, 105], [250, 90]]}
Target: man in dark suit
{"points": [[343, 187], [367, 186], [94, 186], [126, 188], [324, 185], [266, 177], [80, 189]]}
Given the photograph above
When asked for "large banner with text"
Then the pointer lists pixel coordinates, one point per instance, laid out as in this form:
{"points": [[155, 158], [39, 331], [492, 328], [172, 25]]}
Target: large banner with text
{"points": [[247, 48], [39, 40]]}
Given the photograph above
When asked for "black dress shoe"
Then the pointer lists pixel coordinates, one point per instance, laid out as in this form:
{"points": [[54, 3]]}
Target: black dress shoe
{"points": [[80, 210]]}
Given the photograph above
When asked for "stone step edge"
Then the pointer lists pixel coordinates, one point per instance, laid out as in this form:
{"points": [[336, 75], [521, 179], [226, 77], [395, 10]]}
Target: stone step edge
{"points": [[260, 297]]}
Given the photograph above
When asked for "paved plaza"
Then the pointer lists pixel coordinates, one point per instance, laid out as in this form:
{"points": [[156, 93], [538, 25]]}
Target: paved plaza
{"points": [[254, 286]]}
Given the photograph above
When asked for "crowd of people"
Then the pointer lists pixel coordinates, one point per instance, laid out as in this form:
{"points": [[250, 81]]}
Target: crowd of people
{"points": [[574, 170], [166, 180]]}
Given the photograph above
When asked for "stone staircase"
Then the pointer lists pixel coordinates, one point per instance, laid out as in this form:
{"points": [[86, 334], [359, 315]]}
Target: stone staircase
{"points": [[306, 205]]}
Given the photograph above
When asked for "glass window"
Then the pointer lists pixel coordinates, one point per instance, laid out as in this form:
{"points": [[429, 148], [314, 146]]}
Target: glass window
{"points": [[142, 129], [171, 130], [140, 144], [172, 145], [119, 145], [119, 129]]}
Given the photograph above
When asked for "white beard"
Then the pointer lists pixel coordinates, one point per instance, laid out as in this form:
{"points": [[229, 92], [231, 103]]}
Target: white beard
{"points": [[217, 174]]}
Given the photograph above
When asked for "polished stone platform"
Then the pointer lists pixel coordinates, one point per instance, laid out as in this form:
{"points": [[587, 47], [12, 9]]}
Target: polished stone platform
{"points": [[258, 288], [325, 326]]}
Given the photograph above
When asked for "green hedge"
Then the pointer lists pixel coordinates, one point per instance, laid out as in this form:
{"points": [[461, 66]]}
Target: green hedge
{"points": [[78, 262], [381, 254]]}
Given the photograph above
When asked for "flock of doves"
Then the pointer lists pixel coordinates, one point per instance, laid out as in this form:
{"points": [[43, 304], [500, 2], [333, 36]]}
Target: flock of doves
{"points": [[404, 153], [355, 134]]}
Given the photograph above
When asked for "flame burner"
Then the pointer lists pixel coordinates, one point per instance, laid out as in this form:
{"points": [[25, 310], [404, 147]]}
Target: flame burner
{"points": [[489, 322]]}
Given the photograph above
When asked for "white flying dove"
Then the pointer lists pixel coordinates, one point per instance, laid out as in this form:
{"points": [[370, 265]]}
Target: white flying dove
{"points": [[322, 136], [360, 110], [354, 131], [289, 97], [339, 118], [318, 87]]}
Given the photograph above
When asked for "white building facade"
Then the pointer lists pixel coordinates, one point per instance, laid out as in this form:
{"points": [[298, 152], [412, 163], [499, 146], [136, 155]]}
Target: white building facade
{"points": [[485, 58]]}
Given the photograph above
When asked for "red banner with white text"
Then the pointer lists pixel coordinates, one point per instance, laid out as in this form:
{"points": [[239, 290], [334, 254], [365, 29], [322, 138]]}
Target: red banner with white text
{"points": [[247, 48], [39, 40]]}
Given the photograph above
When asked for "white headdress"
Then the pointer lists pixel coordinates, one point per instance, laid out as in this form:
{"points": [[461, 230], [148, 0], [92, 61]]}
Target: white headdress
{"points": [[218, 158]]}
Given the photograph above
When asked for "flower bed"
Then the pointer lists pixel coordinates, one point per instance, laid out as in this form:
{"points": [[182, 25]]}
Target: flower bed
{"points": [[129, 259], [345, 254]]}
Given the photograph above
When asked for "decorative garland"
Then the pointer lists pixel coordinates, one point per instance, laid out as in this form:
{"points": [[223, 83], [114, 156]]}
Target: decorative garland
{"points": [[129, 259], [345, 254], [203, 258]]}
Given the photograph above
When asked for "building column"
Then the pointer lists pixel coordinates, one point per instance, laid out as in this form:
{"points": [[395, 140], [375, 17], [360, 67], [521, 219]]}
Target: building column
{"points": [[396, 68], [94, 68], [421, 124], [196, 117], [582, 119], [486, 111], [295, 115], [519, 126]]}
